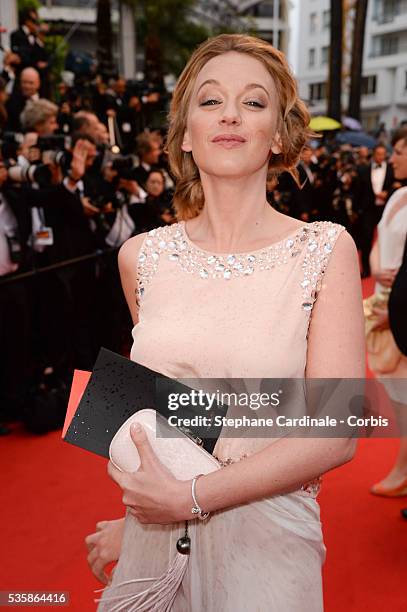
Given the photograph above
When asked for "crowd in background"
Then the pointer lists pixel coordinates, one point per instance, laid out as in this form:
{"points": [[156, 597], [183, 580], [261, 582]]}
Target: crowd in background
{"points": [[81, 171]]}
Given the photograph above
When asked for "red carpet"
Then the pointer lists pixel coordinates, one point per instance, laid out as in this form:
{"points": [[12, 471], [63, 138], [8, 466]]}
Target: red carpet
{"points": [[54, 493]]}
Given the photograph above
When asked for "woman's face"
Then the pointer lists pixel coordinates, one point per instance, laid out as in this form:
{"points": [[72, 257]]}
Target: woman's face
{"points": [[399, 160], [232, 117], [155, 184]]}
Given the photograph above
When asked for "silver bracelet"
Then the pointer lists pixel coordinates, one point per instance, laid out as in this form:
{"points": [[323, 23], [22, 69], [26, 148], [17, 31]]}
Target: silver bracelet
{"points": [[196, 509]]}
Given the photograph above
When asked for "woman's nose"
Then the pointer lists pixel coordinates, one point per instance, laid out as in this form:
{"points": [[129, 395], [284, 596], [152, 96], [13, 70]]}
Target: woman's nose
{"points": [[230, 116]]}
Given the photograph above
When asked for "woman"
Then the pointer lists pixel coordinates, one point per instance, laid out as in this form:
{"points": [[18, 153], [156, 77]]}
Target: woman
{"points": [[389, 365], [159, 198], [235, 301], [147, 214]]}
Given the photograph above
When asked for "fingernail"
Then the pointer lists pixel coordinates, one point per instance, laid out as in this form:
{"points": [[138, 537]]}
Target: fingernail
{"points": [[136, 427]]}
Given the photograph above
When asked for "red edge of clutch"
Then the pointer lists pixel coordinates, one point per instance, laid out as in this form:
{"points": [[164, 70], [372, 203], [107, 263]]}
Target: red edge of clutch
{"points": [[79, 383]]}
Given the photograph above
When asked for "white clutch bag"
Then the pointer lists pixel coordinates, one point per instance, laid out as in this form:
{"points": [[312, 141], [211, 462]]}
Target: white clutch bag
{"points": [[180, 454]]}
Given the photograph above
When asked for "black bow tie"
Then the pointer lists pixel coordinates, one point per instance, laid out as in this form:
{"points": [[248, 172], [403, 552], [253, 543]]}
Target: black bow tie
{"points": [[378, 165]]}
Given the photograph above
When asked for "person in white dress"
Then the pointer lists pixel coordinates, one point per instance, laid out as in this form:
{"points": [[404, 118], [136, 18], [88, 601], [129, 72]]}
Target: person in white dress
{"points": [[386, 258], [228, 292]]}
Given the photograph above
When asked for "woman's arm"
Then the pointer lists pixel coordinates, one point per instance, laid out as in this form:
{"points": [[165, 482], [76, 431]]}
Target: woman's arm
{"points": [[336, 349], [384, 277], [374, 258], [128, 264]]}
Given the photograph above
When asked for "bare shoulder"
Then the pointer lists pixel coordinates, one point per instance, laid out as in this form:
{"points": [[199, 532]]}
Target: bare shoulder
{"points": [[344, 258], [128, 268], [129, 252]]}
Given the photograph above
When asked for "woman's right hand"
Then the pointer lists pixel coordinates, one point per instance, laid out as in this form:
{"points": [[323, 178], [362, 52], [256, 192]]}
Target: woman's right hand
{"points": [[385, 277], [104, 547]]}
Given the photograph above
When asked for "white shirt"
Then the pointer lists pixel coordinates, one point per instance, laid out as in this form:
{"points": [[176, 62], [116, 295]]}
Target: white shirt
{"points": [[377, 176], [308, 172], [31, 37]]}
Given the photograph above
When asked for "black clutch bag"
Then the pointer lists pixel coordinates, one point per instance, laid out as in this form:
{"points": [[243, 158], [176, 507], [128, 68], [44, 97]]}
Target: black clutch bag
{"points": [[119, 387]]}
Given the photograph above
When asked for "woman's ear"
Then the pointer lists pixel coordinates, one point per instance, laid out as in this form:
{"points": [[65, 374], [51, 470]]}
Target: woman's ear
{"points": [[276, 144], [186, 144]]}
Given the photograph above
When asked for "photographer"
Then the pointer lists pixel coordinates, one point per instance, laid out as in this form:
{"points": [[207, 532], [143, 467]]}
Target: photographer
{"points": [[156, 209], [119, 200], [125, 195], [86, 123], [63, 297], [39, 116], [14, 315]]}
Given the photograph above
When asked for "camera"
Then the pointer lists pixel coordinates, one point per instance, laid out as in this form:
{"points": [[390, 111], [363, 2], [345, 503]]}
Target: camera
{"points": [[53, 142], [121, 163], [34, 173], [62, 159], [10, 143], [54, 150]]}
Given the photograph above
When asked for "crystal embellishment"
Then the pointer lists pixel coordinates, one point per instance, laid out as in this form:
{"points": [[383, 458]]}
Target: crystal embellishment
{"points": [[313, 242], [320, 247]]}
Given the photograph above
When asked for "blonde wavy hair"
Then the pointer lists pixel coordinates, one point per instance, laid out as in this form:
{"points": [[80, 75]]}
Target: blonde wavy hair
{"points": [[292, 124]]}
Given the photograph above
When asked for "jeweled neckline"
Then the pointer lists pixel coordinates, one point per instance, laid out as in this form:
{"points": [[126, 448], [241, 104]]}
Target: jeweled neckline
{"points": [[290, 236]]}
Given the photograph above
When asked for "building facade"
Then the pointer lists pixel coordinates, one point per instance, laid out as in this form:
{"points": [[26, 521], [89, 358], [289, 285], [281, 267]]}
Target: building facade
{"points": [[384, 83], [77, 18]]}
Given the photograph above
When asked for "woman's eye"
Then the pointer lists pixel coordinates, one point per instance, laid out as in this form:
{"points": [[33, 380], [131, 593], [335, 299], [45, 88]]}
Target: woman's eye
{"points": [[213, 102], [210, 102], [255, 103]]}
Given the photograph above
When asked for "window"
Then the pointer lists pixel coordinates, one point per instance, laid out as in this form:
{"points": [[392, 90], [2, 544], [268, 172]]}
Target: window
{"points": [[324, 55], [311, 57], [386, 11], [369, 85], [312, 23], [370, 121], [388, 44], [326, 19], [317, 91], [261, 9]]}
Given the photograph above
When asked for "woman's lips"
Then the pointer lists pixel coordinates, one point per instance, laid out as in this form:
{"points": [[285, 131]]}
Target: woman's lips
{"points": [[229, 141], [229, 144]]}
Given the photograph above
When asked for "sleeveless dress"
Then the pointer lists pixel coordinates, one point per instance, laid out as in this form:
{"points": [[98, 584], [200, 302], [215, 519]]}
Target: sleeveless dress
{"points": [[208, 315], [392, 232]]}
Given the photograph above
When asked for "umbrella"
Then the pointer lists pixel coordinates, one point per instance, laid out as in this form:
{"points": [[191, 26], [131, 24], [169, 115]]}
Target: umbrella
{"points": [[322, 124], [352, 124], [356, 139]]}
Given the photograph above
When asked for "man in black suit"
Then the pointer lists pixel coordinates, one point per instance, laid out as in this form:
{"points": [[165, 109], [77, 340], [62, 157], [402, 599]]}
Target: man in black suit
{"points": [[149, 151], [27, 45], [300, 198], [27, 89], [373, 188]]}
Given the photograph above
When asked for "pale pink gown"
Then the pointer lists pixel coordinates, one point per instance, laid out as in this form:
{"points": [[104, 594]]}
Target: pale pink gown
{"points": [[206, 315]]}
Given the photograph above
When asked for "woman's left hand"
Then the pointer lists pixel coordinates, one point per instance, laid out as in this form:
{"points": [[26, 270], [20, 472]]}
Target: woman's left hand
{"points": [[381, 318], [152, 494]]}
